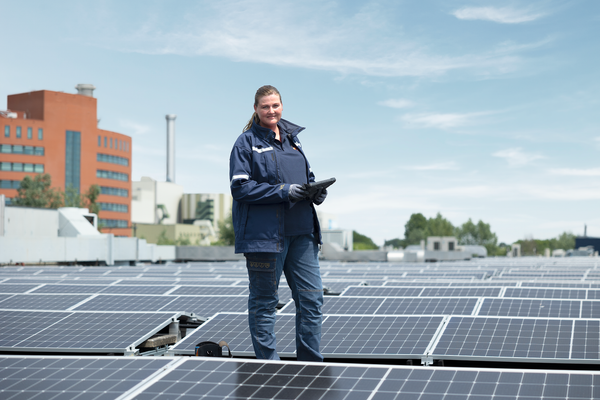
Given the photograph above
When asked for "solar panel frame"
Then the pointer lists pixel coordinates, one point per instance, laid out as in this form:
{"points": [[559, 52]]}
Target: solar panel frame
{"points": [[512, 339], [542, 308], [69, 377], [80, 332], [58, 302]]}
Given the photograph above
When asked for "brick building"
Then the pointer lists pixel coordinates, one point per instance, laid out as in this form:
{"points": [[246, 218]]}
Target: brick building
{"points": [[57, 133]]}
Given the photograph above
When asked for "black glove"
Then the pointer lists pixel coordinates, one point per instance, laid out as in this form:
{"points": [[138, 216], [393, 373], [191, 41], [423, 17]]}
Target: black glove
{"points": [[320, 197], [297, 193]]}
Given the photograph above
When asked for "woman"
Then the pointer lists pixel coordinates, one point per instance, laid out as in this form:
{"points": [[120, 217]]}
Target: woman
{"points": [[276, 226]]}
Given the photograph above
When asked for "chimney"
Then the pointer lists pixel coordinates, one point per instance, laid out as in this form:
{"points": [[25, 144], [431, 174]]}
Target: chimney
{"points": [[85, 89], [171, 147]]}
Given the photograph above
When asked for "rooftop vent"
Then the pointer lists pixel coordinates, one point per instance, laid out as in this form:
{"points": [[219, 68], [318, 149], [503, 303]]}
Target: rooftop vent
{"points": [[85, 89]]}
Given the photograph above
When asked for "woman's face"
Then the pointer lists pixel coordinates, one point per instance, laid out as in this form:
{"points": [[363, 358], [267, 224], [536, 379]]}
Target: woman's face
{"points": [[269, 110]]}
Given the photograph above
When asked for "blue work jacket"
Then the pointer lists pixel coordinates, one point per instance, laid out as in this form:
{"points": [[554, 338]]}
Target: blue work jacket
{"points": [[259, 195]]}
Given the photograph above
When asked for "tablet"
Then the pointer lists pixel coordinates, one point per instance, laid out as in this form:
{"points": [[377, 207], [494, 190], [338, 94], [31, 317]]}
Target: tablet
{"points": [[314, 187]]}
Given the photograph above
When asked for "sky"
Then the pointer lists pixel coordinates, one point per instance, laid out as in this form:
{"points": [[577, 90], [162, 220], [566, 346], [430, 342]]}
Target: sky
{"points": [[482, 110]]}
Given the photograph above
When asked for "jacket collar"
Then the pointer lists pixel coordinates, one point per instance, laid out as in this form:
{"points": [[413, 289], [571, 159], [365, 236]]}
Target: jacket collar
{"points": [[285, 127]]}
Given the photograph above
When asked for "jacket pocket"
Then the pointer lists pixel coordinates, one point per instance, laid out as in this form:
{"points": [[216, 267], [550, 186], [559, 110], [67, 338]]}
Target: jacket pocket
{"points": [[262, 262]]}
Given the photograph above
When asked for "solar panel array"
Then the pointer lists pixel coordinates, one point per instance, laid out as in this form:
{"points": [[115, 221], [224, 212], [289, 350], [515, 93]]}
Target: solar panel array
{"points": [[209, 378], [490, 310]]}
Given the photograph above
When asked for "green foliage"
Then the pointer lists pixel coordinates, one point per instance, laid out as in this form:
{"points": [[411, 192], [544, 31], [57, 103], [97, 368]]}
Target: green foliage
{"points": [[419, 228], [37, 192], [415, 229], [362, 242], [478, 234], [90, 199], [532, 247], [163, 240], [439, 226], [72, 198], [395, 243], [226, 233], [183, 241]]}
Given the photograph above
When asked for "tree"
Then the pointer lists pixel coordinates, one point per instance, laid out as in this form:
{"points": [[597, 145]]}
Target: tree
{"points": [[37, 192], [565, 241], [477, 234], [72, 198], [415, 229], [362, 242], [439, 226], [90, 199], [395, 243], [226, 233]]}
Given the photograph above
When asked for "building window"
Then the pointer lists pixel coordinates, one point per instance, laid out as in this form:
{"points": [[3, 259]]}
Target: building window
{"points": [[126, 146], [29, 133], [18, 132], [111, 142], [105, 141], [114, 207], [8, 184], [21, 167], [5, 148], [112, 175], [112, 159], [112, 191], [40, 134], [17, 149], [436, 245], [38, 151], [112, 223], [6, 130], [73, 160], [28, 150], [99, 141]]}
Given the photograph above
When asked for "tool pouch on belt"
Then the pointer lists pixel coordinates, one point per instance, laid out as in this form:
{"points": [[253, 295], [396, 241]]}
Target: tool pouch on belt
{"points": [[212, 349]]}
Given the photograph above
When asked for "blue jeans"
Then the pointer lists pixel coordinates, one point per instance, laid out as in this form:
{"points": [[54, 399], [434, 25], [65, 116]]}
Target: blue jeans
{"points": [[299, 261]]}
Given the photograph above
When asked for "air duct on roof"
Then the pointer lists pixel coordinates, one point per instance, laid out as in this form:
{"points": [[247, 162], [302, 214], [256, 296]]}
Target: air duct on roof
{"points": [[85, 89]]}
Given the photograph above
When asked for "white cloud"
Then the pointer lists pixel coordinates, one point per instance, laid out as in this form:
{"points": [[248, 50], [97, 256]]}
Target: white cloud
{"points": [[516, 157], [134, 128], [504, 15], [396, 103], [575, 172], [367, 42], [441, 121]]}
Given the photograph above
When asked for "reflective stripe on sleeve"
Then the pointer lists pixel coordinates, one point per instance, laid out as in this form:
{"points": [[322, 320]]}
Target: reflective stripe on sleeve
{"points": [[239, 177]]}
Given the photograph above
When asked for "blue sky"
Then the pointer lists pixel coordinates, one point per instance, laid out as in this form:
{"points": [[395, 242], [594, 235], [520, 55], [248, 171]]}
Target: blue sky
{"points": [[475, 109]]}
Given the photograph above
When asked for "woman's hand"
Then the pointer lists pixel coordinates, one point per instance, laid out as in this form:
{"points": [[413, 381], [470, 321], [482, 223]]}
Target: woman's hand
{"points": [[320, 197]]}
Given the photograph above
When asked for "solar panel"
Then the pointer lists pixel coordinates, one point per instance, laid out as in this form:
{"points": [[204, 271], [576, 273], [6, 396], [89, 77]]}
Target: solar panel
{"points": [[586, 340], [462, 292], [589, 309], [41, 301], [505, 339], [382, 291], [233, 328], [70, 378], [211, 290], [532, 308], [125, 303], [395, 306], [342, 336], [346, 336], [78, 332], [540, 293], [64, 289], [201, 305], [16, 288]]}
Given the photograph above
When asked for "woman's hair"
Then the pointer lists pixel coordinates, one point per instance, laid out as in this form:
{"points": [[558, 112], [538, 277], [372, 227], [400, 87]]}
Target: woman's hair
{"points": [[262, 91]]}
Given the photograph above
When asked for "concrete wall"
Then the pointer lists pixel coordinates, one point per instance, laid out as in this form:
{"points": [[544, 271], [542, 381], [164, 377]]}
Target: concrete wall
{"points": [[206, 253]]}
